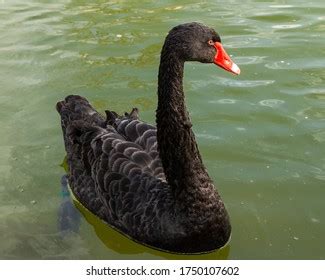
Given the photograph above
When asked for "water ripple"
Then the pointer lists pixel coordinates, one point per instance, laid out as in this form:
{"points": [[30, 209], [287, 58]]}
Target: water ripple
{"points": [[208, 136], [319, 136], [298, 63], [250, 60], [281, 6], [271, 103], [315, 93], [200, 84], [286, 26], [245, 83], [223, 101], [318, 173]]}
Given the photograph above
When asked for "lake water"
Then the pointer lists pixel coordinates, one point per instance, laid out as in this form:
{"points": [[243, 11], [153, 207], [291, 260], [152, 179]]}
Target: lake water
{"points": [[261, 134]]}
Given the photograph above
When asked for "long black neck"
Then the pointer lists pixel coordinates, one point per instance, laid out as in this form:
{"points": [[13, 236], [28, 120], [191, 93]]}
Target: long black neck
{"points": [[176, 142], [193, 190]]}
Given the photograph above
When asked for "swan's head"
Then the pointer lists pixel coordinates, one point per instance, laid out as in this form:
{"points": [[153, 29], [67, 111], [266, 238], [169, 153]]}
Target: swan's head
{"points": [[197, 42]]}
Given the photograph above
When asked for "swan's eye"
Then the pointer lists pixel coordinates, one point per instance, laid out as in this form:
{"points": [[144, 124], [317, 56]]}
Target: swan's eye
{"points": [[211, 43]]}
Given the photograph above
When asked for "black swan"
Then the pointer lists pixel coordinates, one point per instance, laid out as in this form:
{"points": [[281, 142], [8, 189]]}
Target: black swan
{"points": [[150, 183]]}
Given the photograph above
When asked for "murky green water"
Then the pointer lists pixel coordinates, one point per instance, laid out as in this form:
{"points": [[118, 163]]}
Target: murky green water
{"points": [[262, 134]]}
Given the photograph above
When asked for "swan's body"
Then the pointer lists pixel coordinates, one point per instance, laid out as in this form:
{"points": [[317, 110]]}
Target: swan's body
{"points": [[149, 183]]}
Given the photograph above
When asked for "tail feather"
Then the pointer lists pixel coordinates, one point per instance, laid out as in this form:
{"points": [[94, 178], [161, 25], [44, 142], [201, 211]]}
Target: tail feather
{"points": [[76, 112], [111, 117], [75, 107]]}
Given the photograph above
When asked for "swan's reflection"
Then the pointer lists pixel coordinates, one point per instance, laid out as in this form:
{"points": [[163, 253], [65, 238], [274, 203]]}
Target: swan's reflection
{"points": [[68, 215]]}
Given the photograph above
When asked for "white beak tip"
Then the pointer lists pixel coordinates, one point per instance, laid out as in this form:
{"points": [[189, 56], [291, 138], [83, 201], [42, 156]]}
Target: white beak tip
{"points": [[235, 69]]}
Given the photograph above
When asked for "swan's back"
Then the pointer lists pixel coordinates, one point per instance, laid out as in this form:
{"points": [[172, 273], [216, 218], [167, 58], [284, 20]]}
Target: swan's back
{"points": [[115, 169]]}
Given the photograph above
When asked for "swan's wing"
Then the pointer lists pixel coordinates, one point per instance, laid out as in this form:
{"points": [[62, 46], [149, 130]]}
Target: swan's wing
{"points": [[126, 184], [142, 134], [117, 178], [79, 156], [115, 170]]}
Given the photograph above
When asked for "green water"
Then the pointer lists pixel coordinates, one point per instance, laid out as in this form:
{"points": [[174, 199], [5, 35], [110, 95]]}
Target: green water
{"points": [[261, 134]]}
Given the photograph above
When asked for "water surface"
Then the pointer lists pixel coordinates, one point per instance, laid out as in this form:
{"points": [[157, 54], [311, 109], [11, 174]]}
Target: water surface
{"points": [[261, 134]]}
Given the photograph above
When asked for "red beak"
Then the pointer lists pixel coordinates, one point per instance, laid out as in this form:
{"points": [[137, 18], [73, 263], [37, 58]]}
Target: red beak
{"points": [[223, 60]]}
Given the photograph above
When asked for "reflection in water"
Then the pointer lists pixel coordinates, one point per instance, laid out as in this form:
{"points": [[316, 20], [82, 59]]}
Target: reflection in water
{"points": [[68, 215]]}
